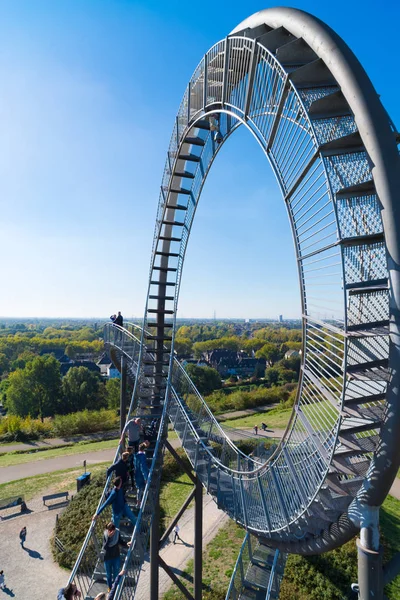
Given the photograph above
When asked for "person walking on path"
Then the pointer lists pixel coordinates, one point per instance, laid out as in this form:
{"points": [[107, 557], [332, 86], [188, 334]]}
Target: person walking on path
{"points": [[255, 429], [120, 468], [119, 320], [133, 428], [22, 536], [141, 472], [120, 507], [112, 560], [176, 534], [2, 582]]}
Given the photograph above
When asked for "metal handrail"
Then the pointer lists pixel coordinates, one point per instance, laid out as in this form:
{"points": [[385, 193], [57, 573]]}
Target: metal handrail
{"points": [[182, 372]]}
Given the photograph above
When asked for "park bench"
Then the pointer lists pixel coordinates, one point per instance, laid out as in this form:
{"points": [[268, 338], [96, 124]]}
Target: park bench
{"points": [[55, 497], [11, 502]]}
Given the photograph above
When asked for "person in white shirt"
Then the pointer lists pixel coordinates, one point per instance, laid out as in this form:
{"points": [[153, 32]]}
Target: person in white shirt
{"points": [[176, 533]]}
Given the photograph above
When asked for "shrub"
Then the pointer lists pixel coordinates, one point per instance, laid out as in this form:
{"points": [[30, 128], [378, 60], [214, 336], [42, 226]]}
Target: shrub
{"points": [[85, 421], [15, 428], [74, 522]]}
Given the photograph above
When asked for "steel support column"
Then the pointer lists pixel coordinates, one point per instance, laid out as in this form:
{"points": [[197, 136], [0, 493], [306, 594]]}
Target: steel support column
{"points": [[122, 405], [370, 573], [154, 545], [198, 540], [370, 554]]}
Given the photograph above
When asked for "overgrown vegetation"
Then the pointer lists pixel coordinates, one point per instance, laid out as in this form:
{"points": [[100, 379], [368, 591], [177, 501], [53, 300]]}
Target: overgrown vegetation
{"points": [[15, 428]]}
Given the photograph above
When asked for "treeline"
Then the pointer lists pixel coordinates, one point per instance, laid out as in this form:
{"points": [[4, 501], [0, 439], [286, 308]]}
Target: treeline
{"points": [[38, 390], [269, 342], [16, 350]]}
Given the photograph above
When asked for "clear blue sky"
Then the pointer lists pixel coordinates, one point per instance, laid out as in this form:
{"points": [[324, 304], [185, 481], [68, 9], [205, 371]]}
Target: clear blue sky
{"points": [[88, 96]]}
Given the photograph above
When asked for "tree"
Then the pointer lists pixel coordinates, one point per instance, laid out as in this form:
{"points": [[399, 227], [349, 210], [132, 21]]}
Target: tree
{"points": [[183, 345], [36, 389], [272, 376], [82, 389], [113, 391], [205, 379], [270, 352]]}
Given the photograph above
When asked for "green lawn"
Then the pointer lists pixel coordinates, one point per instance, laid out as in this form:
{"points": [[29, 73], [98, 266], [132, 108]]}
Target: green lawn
{"points": [[275, 419], [9, 459], [172, 496], [219, 558], [58, 481]]}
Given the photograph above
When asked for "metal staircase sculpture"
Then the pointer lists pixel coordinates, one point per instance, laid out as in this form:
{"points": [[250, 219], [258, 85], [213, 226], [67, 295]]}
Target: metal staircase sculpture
{"points": [[295, 85]]}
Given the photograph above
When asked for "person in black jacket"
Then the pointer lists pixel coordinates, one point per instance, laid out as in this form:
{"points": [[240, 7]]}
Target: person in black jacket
{"points": [[112, 561], [120, 468], [119, 320]]}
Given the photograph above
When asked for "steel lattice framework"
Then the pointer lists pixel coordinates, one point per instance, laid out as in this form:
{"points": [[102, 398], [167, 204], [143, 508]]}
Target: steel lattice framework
{"points": [[303, 95]]}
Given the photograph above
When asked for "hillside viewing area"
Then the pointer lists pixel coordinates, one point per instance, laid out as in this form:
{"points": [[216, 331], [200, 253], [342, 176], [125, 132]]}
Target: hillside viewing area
{"points": [[274, 443]]}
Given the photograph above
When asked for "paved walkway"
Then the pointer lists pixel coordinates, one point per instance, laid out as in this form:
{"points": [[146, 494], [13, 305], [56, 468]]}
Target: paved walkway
{"points": [[55, 464], [30, 574], [177, 556], [56, 442]]}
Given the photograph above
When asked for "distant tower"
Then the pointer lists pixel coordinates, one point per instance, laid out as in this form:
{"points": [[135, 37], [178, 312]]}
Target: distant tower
{"points": [[280, 318]]}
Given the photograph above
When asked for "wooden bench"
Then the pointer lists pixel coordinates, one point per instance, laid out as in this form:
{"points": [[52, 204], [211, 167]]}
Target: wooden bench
{"points": [[55, 497]]}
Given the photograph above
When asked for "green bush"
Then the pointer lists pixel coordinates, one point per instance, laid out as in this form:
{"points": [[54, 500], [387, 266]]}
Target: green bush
{"points": [[74, 522], [85, 421], [14, 428], [220, 402]]}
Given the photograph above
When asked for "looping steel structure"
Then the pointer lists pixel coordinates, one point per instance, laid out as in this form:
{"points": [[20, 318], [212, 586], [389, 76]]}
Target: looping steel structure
{"points": [[296, 86]]}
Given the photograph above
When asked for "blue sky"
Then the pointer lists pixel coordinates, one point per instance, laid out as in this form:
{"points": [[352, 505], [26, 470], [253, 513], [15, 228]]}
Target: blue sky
{"points": [[89, 93]]}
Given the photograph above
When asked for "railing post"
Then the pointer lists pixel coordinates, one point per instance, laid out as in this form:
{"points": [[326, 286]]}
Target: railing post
{"points": [[154, 549], [122, 406], [198, 540]]}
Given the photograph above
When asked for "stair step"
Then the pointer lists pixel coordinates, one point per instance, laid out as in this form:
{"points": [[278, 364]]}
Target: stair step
{"points": [[295, 52], [155, 324], [180, 191], [359, 240], [202, 124], [190, 157], [364, 399], [366, 287], [155, 297], [161, 283], [159, 338], [275, 38], [169, 239], [360, 189], [356, 445], [177, 223], [343, 145], [327, 107], [312, 75], [357, 425], [177, 207], [160, 311], [184, 174], [194, 141], [171, 254], [373, 364], [165, 270]]}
